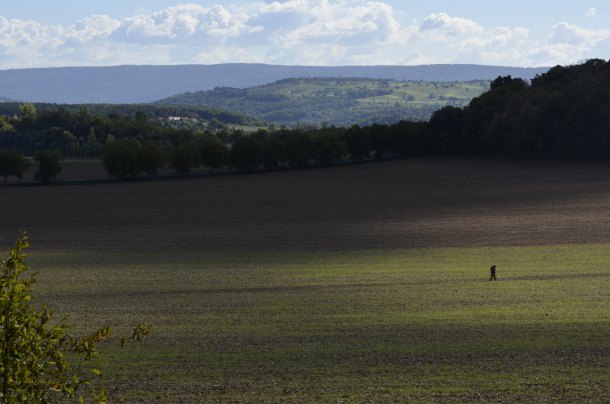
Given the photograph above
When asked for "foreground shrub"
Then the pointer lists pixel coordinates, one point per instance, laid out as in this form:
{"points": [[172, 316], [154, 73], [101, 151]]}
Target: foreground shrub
{"points": [[35, 351]]}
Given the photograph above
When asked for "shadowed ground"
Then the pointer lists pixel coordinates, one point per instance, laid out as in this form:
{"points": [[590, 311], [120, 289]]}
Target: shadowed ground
{"points": [[397, 204]]}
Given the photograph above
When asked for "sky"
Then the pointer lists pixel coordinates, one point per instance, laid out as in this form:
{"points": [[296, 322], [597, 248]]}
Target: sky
{"points": [[42, 33]]}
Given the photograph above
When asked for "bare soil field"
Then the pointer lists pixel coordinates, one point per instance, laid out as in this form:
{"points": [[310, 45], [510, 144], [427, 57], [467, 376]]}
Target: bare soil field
{"points": [[395, 204], [80, 169]]}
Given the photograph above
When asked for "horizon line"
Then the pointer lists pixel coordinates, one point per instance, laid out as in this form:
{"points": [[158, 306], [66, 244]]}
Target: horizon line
{"points": [[272, 64]]}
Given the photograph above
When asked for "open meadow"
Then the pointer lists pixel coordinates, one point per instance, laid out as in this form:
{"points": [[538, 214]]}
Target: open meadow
{"points": [[357, 283]]}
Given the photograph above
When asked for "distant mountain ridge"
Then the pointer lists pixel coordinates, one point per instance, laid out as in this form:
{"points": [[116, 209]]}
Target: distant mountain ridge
{"points": [[144, 84]]}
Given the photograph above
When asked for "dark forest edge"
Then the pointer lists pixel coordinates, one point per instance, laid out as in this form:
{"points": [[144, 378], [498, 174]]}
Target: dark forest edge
{"points": [[561, 114]]}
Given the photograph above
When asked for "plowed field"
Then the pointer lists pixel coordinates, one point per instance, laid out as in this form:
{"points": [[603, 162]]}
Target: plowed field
{"points": [[398, 204]]}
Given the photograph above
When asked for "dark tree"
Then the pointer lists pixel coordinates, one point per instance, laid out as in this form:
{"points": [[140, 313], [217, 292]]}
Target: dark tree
{"points": [[563, 114], [121, 158], [246, 153], [358, 142], [49, 165], [445, 129], [327, 146], [380, 137], [214, 154], [299, 149], [410, 139], [273, 153], [184, 158], [12, 162], [151, 158], [508, 82]]}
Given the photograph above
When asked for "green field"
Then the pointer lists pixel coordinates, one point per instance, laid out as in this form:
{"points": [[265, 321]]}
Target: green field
{"points": [[416, 324], [357, 283]]}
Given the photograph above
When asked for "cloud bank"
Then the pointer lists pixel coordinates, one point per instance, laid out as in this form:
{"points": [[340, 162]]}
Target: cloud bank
{"points": [[308, 32]]}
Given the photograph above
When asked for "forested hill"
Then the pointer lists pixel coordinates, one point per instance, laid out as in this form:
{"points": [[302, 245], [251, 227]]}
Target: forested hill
{"points": [[564, 113], [336, 101], [142, 84]]}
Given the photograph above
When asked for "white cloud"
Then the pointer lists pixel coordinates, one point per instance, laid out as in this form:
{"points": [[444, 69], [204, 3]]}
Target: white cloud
{"points": [[325, 32], [592, 12], [564, 33], [27, 42], [572, 43], [443, 25], [91, 29], [188, 22], [309, 22], [294, 31], [501, 45]]}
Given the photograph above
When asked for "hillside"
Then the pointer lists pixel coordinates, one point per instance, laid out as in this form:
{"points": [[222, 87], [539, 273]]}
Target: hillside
{"points": [[341, 102], [142, 84]]}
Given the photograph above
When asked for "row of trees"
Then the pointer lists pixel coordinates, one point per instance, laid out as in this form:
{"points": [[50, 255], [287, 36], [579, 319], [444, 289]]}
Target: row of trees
{"points": [[14, 163], [128, 158]]}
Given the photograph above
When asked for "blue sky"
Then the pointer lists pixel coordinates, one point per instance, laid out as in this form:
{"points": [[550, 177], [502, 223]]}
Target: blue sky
{"points": [[39, 33]]}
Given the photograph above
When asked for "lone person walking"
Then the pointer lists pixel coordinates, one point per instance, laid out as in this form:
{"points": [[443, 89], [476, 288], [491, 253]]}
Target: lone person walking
{"points": [[492, 270]]}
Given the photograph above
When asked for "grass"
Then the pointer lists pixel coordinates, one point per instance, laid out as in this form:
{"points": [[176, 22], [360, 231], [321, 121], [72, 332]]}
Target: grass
{"points": [[421, 92], [346, 326], [425, 93], [354, 283]]}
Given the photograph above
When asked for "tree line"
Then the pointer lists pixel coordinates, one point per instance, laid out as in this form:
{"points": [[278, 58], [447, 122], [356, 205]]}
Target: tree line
{"points": [[128, 158], [14, 163], [562, 114], [80, 134]]}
